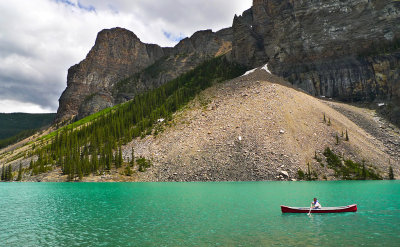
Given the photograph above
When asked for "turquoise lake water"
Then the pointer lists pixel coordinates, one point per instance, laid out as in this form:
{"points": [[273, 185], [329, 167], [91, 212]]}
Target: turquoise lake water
{"points": [[197, 214]]}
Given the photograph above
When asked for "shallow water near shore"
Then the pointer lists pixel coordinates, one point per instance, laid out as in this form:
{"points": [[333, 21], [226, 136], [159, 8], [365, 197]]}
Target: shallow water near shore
{"points": [[197, 214]]}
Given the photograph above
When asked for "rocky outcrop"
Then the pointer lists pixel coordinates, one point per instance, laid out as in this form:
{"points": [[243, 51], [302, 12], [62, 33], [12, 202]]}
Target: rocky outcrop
{"points": [[97, 82], [186, 55], [342, 49], [348, 50], [117, 53]]}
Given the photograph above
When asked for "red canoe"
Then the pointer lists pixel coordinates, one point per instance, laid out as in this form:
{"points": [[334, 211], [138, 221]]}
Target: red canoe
{"points": [[349, 208]]}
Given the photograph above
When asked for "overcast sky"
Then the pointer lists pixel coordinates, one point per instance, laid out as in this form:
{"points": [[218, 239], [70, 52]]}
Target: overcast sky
{"points": [[41, 39]]}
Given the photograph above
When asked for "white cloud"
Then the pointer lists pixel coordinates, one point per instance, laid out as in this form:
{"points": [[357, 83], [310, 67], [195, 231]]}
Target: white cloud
{"points": [[10, 106], [41, 39]]}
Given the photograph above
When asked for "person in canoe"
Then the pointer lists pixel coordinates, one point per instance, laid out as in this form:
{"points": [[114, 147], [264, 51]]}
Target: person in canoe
{"points": [[315, 204]]}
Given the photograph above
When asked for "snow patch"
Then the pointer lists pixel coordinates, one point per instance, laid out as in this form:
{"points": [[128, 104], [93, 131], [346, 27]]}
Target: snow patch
{"points": [[381, 104], [265, 67], [249, 72]]}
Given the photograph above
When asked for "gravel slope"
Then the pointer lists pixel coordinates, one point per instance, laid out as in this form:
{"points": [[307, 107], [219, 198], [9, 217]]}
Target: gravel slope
{"points": [[255, 128]]}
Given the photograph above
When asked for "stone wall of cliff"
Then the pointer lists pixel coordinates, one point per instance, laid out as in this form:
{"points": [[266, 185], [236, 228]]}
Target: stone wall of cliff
{"points": [[119, 66], [349, 50], [343, 49]]}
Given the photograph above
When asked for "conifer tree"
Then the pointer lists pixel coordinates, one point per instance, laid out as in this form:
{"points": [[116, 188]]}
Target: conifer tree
{"points": [[120, 159], [391, 175], [19, 178], [347, 136], [80, 173], [128, 171], [9, 173], [3, 173], [363, 172], [309, 171], [95, 163]]}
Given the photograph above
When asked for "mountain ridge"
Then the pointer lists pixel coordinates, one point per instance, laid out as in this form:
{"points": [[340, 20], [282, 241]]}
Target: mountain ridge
{"points": [[119, 54], [348, 50]]}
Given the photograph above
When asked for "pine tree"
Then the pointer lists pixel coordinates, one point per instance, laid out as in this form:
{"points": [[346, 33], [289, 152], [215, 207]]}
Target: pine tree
{"points": [[324, 118], [9, 173], [3, 173], [347, 136], [120, 159], [329, 122], [391, 175], [19, 178], [80, 173], [95, 163], [337, 139], [133, 158], [308, 171], [364, 172], [128, 171]]}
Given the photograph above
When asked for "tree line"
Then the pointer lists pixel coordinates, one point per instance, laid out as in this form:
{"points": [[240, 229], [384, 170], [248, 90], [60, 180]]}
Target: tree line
{"points": [[95, 147]]}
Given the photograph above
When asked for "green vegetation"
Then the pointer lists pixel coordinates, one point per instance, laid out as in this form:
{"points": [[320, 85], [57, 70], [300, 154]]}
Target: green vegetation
{"points": [[348, 169], [309, 175], [6, 173], [19, 178], [80, 122], [391, 175], [300, 174], [93, 144], [16, 138], [143, 164], [347, 136], [15, 127], [12, 124]]}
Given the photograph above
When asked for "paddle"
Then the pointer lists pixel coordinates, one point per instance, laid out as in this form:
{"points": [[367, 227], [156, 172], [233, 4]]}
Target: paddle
{"points": [[309, 212]]}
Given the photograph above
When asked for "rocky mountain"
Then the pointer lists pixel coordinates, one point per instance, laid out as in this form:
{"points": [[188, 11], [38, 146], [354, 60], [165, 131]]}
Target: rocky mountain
{"points": [[258, 127], [348, 50], [343, 49], [97, 82], [255, 127]]}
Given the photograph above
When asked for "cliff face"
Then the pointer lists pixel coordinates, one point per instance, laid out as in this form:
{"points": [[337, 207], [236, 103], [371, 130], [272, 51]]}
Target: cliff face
{"points": [[349, 50], [119, 54], [342, 49], [186, 55]]}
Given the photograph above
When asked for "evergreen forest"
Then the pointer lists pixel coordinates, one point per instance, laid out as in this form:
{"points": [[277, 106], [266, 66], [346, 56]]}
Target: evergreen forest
{"points": [[94, 147]]}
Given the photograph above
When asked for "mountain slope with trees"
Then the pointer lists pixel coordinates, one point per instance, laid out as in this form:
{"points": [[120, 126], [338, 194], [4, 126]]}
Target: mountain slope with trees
{"points": [[254, 127], [17, 126]]}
